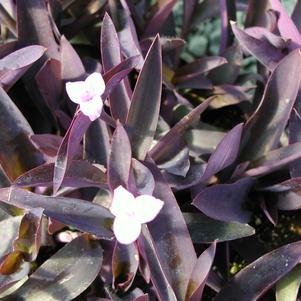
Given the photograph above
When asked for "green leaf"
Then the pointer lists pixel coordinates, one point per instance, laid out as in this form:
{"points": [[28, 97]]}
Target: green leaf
{"points": [[287, 288]]}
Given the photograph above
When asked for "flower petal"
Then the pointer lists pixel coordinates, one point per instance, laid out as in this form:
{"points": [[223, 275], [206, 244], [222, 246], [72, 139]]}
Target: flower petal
{"points": [[126, 230], [123, 202], [92, 108], [95, 84], [147, 208], [77, 91]]}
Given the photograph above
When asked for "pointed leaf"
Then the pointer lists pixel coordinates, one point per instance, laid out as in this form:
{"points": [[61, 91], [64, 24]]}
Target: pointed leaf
{"points": [[168, 145], [266, 53], [264, 128], [72, 67], [171, 237], [198, 67], [225, 153], [61, 277], [286, 26], [82, 215], [50, 83], [255, 279], [274, 160], [204, 229], [144, 180], [120, 159], [144, 110], [68, 148], [200, 274], [48, 144], [80, 174], [157, 21], [225, 202], [111, 56], [125, 263], [158, 273], [129, 41], [97, 142]]}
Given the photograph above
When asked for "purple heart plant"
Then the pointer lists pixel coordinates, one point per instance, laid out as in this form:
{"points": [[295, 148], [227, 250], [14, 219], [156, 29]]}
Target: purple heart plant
{"points": [[150, 150]]}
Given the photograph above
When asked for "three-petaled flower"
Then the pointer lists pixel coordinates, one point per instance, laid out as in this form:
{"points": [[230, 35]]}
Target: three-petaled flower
{"points": [[130, 213], [88, 94]]}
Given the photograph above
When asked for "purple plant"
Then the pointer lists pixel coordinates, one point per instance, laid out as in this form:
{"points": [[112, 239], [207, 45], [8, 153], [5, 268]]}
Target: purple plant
{"points": [[138, 170]]}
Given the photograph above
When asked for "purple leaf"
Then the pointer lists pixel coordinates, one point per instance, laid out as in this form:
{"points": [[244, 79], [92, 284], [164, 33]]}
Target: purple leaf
{"points": [[200, 274], [189, 9], [266, 53], [80, 174], [34, 26], [125, 263], [295, 15], [155, 24], [204, 229], [17, 153], [61, 276], [68, 148], [158, 274], [21, 58], [225, 202], [257, 13], [198, 67], [262, 33], [295, 134], [167, 43], [144, 180], [7, 48], [111, 56], [255, 279], [14, 65], [179, 164], [286, 26], [120, 159], [289, 200], [171, 238], [274, 160], [50, 83], [225, 153], [192, 177], [227, 95], [48, 144], [200, 82], [118, 73], [228, 73], [72, 67], [129, 42], [97, 142], [264, 128], [144, 110], [168, 145], [82, 215]]}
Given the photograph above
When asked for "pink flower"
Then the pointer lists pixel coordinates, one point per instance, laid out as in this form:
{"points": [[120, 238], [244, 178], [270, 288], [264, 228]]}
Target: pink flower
{"points": [[131, 212], [88, 94]]}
